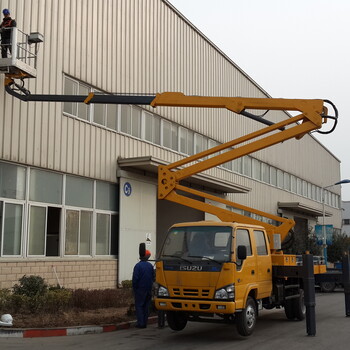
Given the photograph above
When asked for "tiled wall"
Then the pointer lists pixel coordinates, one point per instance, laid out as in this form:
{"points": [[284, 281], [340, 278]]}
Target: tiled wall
{"points": [[91, 274]]}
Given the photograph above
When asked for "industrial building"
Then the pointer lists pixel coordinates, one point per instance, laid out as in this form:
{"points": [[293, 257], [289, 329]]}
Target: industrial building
{"points": [[78, 183]]}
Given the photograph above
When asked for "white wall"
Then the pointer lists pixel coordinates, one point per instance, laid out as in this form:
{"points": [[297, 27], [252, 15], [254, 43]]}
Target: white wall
{"points": [[346, 216], [137, 222]]}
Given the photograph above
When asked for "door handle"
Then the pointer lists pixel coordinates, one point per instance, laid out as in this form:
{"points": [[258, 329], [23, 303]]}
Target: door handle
{"points": [[268, 270], [253, 272]]}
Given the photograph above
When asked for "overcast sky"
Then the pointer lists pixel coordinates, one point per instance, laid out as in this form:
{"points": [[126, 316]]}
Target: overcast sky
{"points": [[291, 48]]}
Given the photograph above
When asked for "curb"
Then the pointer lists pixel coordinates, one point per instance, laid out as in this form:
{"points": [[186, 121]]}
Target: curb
{"points": [[65, 331]]}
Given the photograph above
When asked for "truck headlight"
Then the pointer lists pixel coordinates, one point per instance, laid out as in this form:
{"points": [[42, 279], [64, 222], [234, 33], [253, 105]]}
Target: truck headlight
{"points": [[226, 293], [162, 291]]}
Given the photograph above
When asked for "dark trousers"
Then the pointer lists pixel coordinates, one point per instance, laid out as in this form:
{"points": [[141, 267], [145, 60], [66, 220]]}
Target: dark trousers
{"points": [[142, 303], [5, 45]]}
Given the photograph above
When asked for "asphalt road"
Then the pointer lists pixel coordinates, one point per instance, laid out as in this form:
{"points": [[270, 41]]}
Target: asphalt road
{"points": [[273, 331]]}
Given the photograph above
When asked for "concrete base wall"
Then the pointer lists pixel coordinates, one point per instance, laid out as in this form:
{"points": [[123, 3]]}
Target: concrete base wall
{"points": [[89, 274]]}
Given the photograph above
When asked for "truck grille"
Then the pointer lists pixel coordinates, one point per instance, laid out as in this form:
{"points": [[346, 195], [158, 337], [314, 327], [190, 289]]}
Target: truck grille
{"points": [[191, 292]]}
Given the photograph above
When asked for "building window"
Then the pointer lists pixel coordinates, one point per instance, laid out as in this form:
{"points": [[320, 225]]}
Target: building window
{"points": [[10, 228], [265, 173], [293, 184], [152, 128], [78, 232], [346, 221], [200, 143], [273, 176], [12, 181], [45, 187], [286, 181], [280, 178], [44, 231], [73, 87], [247, 166], [102, 234], [256, 169], [79, 192]]}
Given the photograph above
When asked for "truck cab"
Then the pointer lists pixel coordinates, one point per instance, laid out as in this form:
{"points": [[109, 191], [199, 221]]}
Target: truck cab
{"points": [[213, 269]]}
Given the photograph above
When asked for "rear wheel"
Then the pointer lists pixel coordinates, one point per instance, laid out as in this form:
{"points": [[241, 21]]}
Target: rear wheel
{"points": [[295, 308], [299, 306], [176, 320], [327, 287], [289, 309], [246, 320]]}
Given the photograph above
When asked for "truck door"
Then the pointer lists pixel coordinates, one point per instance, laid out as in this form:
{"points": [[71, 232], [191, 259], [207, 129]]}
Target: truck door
{"points": [[246, 270], [264, 264]]}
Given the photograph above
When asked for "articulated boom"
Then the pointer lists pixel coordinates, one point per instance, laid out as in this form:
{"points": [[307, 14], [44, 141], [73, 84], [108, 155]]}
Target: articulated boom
{"points": [[313, 115]]}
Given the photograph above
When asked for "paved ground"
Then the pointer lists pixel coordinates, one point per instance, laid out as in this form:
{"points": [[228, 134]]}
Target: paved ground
{"points": [[273, 332]]}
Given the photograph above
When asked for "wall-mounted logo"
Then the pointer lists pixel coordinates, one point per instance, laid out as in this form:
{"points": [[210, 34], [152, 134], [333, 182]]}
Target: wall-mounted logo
{"points": [[127, 189]]}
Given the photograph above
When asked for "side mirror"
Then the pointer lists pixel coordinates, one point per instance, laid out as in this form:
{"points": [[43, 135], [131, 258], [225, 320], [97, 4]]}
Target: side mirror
{"points": [[241, 252]]}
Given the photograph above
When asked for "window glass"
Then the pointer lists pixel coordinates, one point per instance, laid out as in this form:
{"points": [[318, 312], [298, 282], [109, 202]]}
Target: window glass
{"points": [[200, 143], [260, 243], [12, 181], [102, 234], [70, 88], [125, 119], [112, 116], [242, 238], [183, 140], [190, 142], [83, 107], [99, 113], [256, 169], [72, 232], [313, 191], [79, 192], [136, 122], [37, 231], [106, 196], [309, 190], [237, 165], [299, 187], [148, 118], [156, 130], [265, 173], [212, 144], [247, 166], [45, 187], [166, 134], [273, 177], [304, 188], [286, 180], [279, 178], [293, 184], [85, 232], [174, 137], [11, 234]]}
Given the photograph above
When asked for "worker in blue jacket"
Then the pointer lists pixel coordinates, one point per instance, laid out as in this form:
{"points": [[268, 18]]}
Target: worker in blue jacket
{"points": [[142, 282]]}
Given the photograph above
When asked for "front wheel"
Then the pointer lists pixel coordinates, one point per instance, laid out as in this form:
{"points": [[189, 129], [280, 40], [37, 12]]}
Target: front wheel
{"points": [[177, 321], [246, 320]]}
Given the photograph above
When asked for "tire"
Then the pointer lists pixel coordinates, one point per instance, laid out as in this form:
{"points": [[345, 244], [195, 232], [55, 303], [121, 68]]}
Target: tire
{"points": [[327, 287], [289, 309], [246, 320], [299, 306], [177, 321]]}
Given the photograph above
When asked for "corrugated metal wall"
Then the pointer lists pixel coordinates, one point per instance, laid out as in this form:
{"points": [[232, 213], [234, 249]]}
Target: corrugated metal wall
{"points": [[132, 46]]}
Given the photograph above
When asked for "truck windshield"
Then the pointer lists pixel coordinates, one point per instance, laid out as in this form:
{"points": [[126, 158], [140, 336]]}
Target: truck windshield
{"points": [[196, 242]]}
